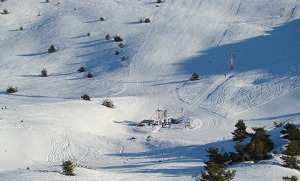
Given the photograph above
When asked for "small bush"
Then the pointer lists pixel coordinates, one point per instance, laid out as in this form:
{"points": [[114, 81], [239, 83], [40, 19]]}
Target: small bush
{"points": [[102, 19], [5, 11], [107, 37], [68, 168], [44, 73], [147, 20], [21, 28], [52, 49], [12, 89], [90, 75], [108, 103], [117, 53], [292, 178], [86, 97], [277, 125], [47, 1], [123, 58], [118, 39], [121, 45], [88, 34], [81, 69], [195, 76], [159, 1]]}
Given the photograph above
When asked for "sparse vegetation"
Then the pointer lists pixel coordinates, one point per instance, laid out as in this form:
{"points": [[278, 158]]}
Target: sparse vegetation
{"points": [[44, 73], [117, 53], [159, 1], [81, 69], [48, 1], [68, 168], [21, 28], [108, 103], [52, 49], [292, 178], [88, 34], [118, 38], [240, 132], [194, 77], [147, 20], [123, 58], [12, 89], [90, 75], [121, 45], [107, 37], [102, 19], [5, 11], [86, 97]]}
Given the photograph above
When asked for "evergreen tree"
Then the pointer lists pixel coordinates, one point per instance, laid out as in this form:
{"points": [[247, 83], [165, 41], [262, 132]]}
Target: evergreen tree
{"points": [[291, 162], [68, 168], [293, 148], [44, 73], [290, 132], [240, 133], [214, 172], [215, 156], [240, 155], [260, 145]]}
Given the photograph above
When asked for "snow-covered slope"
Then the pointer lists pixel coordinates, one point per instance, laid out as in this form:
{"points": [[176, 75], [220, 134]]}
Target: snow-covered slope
{"points": [[45, 122]]}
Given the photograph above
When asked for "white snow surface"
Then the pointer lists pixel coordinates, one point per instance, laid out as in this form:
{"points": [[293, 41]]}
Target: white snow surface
{"points": [[46, 122]]}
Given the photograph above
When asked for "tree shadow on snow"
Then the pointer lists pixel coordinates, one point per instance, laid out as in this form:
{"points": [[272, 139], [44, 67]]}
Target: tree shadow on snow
{"points": [[274, 52]]}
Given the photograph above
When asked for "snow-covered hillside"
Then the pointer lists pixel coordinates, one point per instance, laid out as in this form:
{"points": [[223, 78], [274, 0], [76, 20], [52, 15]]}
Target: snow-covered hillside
{"points": [[46, 122]]}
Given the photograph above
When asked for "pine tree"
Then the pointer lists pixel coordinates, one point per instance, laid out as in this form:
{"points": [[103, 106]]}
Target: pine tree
{"points": [[240, 133], [240, 155], [291, 162], [260, 145], [215, 156], [291, 132], [68, 168], [214, 172], [293, 148], [44, 73]]}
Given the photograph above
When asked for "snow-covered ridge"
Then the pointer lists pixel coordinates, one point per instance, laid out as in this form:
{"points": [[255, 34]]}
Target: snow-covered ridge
{"points": [[45, 122]]}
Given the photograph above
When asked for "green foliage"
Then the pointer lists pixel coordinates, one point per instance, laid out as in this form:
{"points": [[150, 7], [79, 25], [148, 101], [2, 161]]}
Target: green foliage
{"points": [[260, 145], [240, 133], [123, 58], [81, 69], [291, 162], [90, 75], [68, 168], [194, 77], [108, 103], [277, 125], [118, 38], [44, 73], [147, 20], [52, 49], [240, 155], [12, 89], [293, 148], [290, 132], [292, 178], [121, 45], [215, 156], [214, 172], [107, 37], [5, 11], [86, 97]]}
